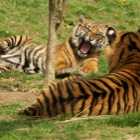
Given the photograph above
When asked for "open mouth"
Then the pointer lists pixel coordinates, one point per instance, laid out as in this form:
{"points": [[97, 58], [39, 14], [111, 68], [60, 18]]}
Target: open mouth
{"points": [[85, 48]]}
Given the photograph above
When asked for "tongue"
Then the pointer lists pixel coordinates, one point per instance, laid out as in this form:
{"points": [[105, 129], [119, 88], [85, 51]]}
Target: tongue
{"points": [[85, 47]]}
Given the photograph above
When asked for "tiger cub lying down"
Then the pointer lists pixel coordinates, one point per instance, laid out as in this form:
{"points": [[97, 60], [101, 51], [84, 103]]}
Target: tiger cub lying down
{"points": [[12, 44], [10, 51], [80, 52], [115, 93]]}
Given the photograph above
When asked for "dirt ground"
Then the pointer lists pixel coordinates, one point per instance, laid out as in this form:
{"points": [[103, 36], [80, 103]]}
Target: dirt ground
{"points": [[15, 97]]}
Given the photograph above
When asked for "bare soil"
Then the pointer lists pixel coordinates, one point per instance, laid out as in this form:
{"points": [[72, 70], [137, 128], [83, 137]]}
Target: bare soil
{"points": [[8, 97]]}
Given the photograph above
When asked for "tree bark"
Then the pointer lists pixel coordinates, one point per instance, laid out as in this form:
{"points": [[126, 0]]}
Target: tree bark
{"points": [[56, 11]]}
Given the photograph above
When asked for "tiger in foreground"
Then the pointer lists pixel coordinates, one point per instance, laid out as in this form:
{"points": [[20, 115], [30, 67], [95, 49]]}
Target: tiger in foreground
{"points": [[80, 52], [118, 92]]}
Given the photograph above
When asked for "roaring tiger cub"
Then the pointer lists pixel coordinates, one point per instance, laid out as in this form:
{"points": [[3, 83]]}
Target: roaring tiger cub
{"points": [[80, 52], [115, 93]]}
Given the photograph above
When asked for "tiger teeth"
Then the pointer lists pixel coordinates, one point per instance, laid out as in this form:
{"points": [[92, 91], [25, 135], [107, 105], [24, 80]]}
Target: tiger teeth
{"points": [[86, 38], [81, 54], [93, 42]]}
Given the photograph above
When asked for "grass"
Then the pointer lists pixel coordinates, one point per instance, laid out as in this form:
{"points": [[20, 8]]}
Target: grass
{"points": [[30, 17], [21, 81], [102, 127]]}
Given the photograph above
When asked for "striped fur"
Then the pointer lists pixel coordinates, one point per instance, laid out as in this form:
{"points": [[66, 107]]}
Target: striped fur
{"points": [[11, 50], [13, 43], [115, 93], [80, 52]]}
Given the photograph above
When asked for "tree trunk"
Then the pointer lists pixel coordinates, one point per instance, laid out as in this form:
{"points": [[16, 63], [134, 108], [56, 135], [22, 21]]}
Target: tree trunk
{"points": [[56, 11], [50, 54]]}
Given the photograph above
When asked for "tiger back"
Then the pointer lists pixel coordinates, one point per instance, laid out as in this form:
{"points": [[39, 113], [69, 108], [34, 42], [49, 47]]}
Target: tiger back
{"points": [[118, 92]]}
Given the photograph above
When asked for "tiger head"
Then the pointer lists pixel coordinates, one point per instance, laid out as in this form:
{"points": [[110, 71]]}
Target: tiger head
{"points": [[122, 47], [88, 37]]}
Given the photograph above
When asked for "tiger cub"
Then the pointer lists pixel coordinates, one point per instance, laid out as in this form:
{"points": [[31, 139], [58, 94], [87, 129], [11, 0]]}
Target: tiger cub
{"points": [[10, 51], [80, 52], [13, 43], [118, 92]]}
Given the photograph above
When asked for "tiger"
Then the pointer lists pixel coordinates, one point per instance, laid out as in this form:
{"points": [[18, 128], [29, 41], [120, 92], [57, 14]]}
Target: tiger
{"points": [[10, 51], [13, 43], [80, 52], [117, 92]]}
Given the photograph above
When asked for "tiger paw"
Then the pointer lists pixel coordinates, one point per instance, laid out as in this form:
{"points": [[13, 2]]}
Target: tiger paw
{"points": [[84, 71], [28, 70]]}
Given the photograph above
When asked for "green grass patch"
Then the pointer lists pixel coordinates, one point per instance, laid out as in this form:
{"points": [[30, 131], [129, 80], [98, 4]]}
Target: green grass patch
{"points": [[65, 128], [21, 81]]}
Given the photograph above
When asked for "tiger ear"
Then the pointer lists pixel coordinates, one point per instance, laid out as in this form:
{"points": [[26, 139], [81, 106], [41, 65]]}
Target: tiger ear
{"points": [[111, 34], [138, 31], [82, 19]]}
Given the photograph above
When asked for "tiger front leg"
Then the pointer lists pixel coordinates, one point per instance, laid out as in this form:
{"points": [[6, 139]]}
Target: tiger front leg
{"points": [[65, 69], [88, 67]]}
